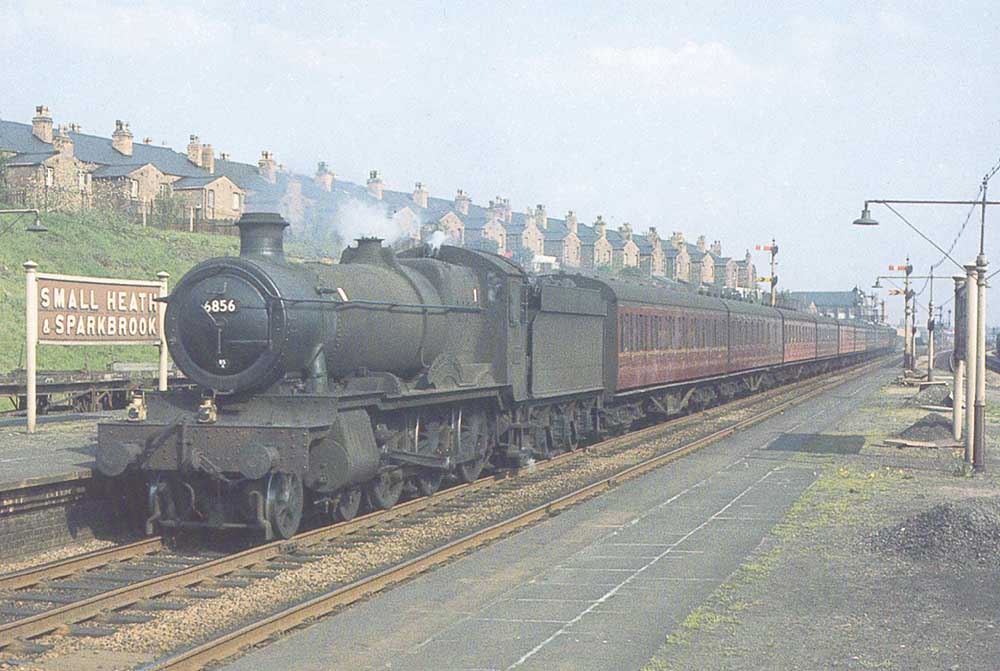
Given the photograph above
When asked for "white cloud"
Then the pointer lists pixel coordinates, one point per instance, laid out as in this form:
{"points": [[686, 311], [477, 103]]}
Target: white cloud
{"points": [[711, 68], [901, 26]]}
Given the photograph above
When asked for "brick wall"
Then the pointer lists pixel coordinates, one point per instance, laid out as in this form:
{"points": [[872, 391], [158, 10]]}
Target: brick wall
{"points": [[42, 518]]}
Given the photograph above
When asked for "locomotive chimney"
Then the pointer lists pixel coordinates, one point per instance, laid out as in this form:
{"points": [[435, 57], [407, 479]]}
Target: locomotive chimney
{"points": [[262, 235]]}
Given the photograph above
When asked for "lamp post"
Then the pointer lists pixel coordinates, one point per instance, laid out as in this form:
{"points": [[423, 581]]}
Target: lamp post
{"points": [[976, 295], [957, 353], [35, 226]]}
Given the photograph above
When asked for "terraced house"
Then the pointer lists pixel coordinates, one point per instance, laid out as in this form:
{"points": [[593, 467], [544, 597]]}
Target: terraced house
{"points": [[63, 168]]}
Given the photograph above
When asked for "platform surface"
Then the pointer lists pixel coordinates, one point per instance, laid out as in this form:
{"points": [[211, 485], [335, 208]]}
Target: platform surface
{"points": [[61, 449], [599, 586]]}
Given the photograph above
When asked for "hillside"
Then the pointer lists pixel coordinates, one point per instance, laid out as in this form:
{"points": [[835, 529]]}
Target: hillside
{"points": [[90, 243]]}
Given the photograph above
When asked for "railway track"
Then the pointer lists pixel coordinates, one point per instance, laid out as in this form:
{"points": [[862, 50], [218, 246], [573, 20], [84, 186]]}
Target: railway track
{"points": [[94, 593]]}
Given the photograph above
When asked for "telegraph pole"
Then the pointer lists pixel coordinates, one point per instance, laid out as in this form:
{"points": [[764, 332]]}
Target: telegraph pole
{"points": [[930, 331]]}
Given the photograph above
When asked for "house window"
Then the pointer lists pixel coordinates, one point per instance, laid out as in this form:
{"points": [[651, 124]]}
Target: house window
{"points": [[211, 199], [50, 176], [134, 188], [164, 190], [81, 179], [236, 201]]}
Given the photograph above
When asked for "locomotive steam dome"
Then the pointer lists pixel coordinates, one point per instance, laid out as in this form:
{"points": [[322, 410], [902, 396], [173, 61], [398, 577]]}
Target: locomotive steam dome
{"points": [[226, 320]]}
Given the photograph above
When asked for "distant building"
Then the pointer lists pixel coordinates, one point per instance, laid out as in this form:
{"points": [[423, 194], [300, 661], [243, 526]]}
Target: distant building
{"points": [[836, 304], [61, 168]]}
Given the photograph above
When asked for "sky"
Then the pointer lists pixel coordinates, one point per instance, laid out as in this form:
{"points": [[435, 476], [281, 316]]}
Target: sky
{"points": [[740, 121]]}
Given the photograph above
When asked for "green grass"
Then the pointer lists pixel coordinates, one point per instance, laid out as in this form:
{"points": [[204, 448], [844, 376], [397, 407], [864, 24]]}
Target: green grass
{"points": [[92, 243]]}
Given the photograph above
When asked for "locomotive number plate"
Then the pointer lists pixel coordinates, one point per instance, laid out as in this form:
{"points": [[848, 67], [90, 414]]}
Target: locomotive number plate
{"points": [[220, 306]]}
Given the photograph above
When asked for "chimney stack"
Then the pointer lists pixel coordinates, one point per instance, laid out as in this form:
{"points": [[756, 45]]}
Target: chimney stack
{"points": [[653, 235], [223, 156], [75, 128], [677, 240], [208, 158], [462, 202], [41, 124], [62, 142], [572, 224], [600, 227], [701, 244], [375, 184], [716, 248], [267, 167], [194, 150], [420, 195], [121, 139], [147, 140], [324, 177], [541, 218]]}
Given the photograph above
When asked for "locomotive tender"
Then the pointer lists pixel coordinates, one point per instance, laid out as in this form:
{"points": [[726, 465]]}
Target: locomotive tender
{"points": [[325, 387]]}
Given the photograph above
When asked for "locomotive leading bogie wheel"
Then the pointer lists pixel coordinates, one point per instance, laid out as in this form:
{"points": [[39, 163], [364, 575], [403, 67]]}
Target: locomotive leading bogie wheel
{"points": [[384, 490], [284, 503], [348, 504], [428, 481]]}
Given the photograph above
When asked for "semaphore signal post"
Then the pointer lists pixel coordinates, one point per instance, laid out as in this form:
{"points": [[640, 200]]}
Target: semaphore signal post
{"points": [[72, 310]]}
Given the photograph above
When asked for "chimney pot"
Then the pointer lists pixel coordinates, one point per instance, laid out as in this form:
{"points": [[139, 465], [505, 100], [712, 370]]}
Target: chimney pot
{"points": [[462, 202], [194, 151], [420, 195], [121, 139], [375, 184], [41, 124], [267, 167], [208, 158]]}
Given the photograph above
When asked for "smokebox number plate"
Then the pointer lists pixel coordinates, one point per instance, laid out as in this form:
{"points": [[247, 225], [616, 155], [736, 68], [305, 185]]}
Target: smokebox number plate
{"points": [[221, 306]]}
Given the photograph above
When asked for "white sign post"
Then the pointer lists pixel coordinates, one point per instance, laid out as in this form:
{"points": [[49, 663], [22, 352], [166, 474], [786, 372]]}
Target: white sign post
{"points": [[71, 310]]}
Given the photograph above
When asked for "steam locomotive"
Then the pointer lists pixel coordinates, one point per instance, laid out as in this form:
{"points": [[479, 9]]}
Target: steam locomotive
{"points": [[325, 388]]}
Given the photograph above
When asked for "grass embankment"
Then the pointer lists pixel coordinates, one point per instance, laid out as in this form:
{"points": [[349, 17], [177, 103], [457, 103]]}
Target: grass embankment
{"points": [[98, 244]]}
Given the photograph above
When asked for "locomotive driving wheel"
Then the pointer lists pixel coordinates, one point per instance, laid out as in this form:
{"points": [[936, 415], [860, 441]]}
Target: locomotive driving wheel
{"points": [[284, 503], [475, 441]]}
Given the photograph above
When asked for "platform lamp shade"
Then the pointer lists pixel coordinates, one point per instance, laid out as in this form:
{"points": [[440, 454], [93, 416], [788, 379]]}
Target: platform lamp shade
{"points": [[36, 226], [878, 283], [865, 219]]}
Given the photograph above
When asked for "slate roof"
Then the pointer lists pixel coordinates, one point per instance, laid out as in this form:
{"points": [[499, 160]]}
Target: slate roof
{"points": [[616, 239], [827, 299], [556, 231], [17, 137], [110, 171], [30, 159], [195, 182], [244, 175], [695, 253], [644, 244], [586, 234]]}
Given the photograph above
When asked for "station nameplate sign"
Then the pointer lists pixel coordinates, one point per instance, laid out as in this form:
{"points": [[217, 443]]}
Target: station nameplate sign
{"points": [[87, 310]]}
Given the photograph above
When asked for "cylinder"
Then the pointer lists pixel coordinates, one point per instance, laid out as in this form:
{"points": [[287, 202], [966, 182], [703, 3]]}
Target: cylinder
{"points": [[971, 334]]}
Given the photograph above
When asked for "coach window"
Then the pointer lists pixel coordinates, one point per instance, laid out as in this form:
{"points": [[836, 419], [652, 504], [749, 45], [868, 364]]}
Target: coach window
{"points": [[621, 333]]}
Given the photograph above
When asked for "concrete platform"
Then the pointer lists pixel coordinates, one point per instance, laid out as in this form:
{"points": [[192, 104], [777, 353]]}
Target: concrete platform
{"points": [[59, 451], [599, 586]]}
